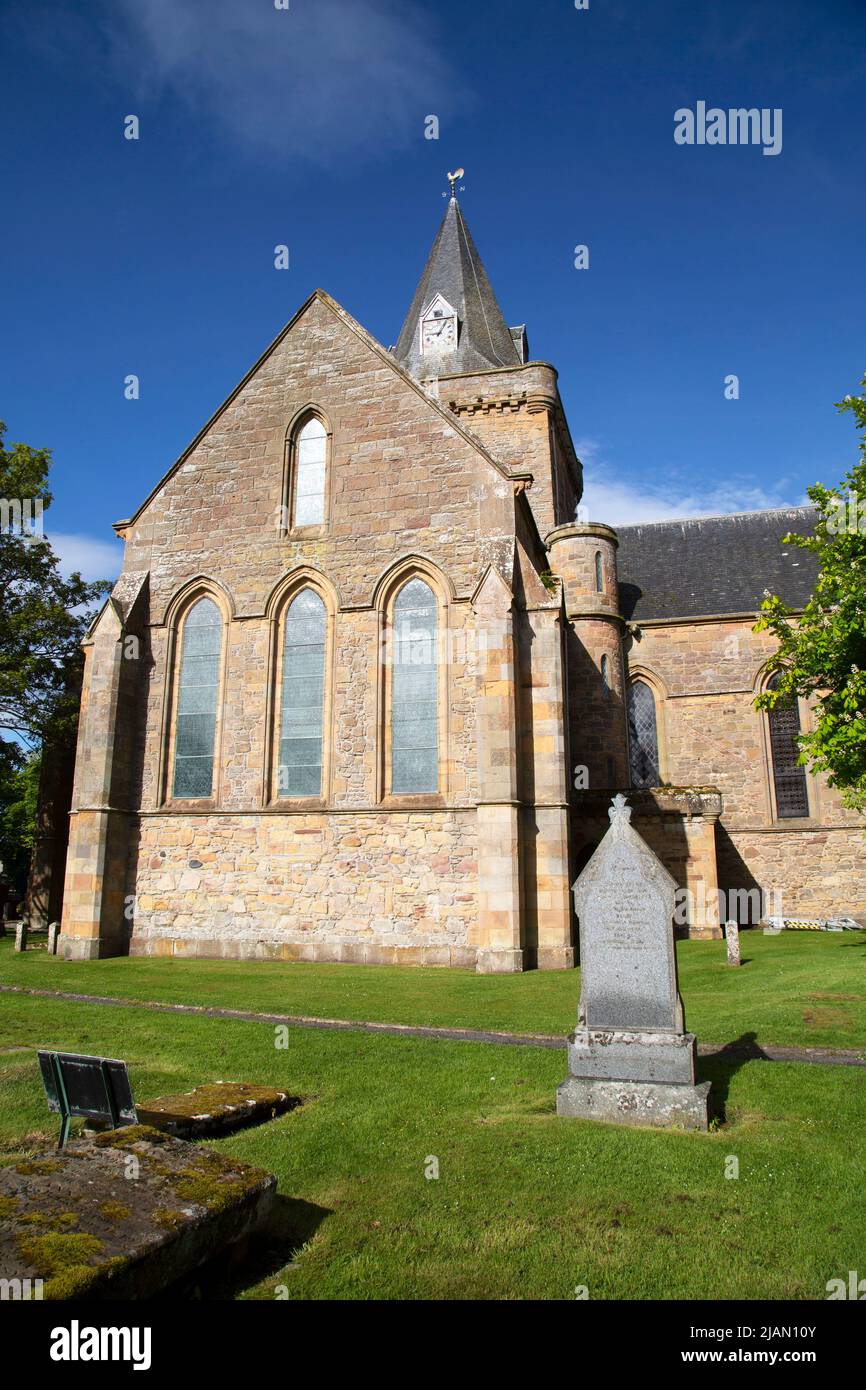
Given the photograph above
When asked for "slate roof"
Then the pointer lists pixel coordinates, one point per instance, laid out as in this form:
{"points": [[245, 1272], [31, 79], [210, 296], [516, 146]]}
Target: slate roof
{"points": [[454, 270], [714, 564]]}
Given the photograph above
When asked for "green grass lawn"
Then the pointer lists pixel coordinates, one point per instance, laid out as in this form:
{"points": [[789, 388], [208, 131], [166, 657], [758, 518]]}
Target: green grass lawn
{"points": [[798, 989], [526, 1205]]}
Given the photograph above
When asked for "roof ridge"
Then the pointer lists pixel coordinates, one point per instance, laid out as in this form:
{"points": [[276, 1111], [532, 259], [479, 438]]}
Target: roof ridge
{"points": [[467, 238], [719, 516]]}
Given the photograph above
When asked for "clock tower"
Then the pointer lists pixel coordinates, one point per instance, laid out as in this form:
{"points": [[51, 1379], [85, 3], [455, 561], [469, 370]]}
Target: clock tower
{"points": [[439, 328], [454, 325]]}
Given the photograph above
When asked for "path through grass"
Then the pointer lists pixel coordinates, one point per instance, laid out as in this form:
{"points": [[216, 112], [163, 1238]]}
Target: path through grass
{"points": [[798, 989], [526, 1205]]}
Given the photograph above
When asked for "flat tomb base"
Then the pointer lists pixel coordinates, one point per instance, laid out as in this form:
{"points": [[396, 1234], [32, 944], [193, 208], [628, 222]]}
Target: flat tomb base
{"points": [[663, 1105], [123, 1215], [215, 1109]]}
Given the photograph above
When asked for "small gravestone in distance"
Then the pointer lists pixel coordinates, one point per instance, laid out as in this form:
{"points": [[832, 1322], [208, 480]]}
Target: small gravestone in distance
{"points": [[630, 1060], [732, 939], [53, 935], [21, 937], [4, 897]]}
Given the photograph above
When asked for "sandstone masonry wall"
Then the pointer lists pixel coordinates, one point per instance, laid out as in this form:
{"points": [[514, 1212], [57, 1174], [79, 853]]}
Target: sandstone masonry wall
{"points": [[706, 675]]}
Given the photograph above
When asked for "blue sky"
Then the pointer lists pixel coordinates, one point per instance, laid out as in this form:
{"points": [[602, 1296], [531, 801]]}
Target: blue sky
{"points": [[306, 127]]}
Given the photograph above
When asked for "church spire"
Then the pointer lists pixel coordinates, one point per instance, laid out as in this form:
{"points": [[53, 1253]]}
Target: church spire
{"points": [[454, 324]]}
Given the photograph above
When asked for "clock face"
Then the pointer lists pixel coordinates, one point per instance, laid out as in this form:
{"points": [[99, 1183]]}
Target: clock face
{"points": [[438, 334]]}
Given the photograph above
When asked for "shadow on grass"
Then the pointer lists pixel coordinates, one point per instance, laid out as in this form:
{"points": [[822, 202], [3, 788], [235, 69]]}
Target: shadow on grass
{"points": [[292, 1223], [722, 1065]]}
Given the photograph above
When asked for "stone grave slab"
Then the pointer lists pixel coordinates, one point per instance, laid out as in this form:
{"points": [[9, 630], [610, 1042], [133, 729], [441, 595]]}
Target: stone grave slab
{"points": [[215, 1109], [125, 1214]]}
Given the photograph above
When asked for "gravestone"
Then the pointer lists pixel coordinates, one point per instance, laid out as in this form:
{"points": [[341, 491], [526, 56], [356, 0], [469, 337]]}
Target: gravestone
{"points": [[630, 1060], [4, 897], [21, 937], [732, 939], [53, 935]]}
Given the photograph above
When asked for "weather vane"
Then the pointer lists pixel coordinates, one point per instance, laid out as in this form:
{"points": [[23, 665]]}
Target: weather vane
{"points": [[452, 179]]}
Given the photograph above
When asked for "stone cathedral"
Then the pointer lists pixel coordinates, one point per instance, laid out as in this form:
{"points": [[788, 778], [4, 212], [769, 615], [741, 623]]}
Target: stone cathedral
{"points": [[370, 676]]}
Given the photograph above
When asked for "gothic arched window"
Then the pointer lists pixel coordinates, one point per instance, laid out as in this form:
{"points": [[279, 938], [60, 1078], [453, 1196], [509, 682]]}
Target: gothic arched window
{"points": [[414, 691], [643, 742], [789, 777], [599, 573], [302, 693], [308, 481], [197, 700]]}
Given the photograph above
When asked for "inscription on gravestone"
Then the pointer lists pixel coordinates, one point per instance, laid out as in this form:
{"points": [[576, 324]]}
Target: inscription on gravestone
{"points": [[627, 945], [630, 1059]]}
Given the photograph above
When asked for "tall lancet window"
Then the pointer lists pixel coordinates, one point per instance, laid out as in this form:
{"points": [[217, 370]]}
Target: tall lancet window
{"points": [[643, 742], [197, 698], [311, 447], [599, 573], [789, 777], [299, 771], [414, 691]]}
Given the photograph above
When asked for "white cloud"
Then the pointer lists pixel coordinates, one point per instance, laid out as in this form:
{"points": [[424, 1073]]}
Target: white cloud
{"points": [[94, 559], [320, 81], [619, 502]]}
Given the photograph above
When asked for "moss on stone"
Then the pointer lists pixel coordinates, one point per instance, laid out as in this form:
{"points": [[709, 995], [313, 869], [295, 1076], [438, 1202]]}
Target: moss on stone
{"points": [[56, 1253], [79, 1280], [114, 1211], [7, 1207], [75, 1252], [216, 1097], [35, 1166], [215, 1191], [163, 1217], [57, 1221], [128, 1136]]}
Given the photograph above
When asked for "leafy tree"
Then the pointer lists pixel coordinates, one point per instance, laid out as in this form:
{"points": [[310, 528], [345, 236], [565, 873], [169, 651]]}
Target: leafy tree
{"points": [[822, 655], [43, 616], [19, 791]]}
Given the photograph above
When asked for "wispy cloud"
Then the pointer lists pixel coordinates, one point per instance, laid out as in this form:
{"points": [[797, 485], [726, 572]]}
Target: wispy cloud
{"points": [[94, 559], [619, 502], [322, 80]]}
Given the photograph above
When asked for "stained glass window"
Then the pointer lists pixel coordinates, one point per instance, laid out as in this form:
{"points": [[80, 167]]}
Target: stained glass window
{"points": [[198, 690], [310, 452], [643, 743], [789, 778], [299, 771], [414, 691]]}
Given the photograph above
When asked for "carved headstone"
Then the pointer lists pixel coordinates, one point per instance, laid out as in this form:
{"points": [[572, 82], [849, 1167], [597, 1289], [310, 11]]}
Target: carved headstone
{"points": [[21, 937], [53, 936], [732, 938], [630, 1059]]}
